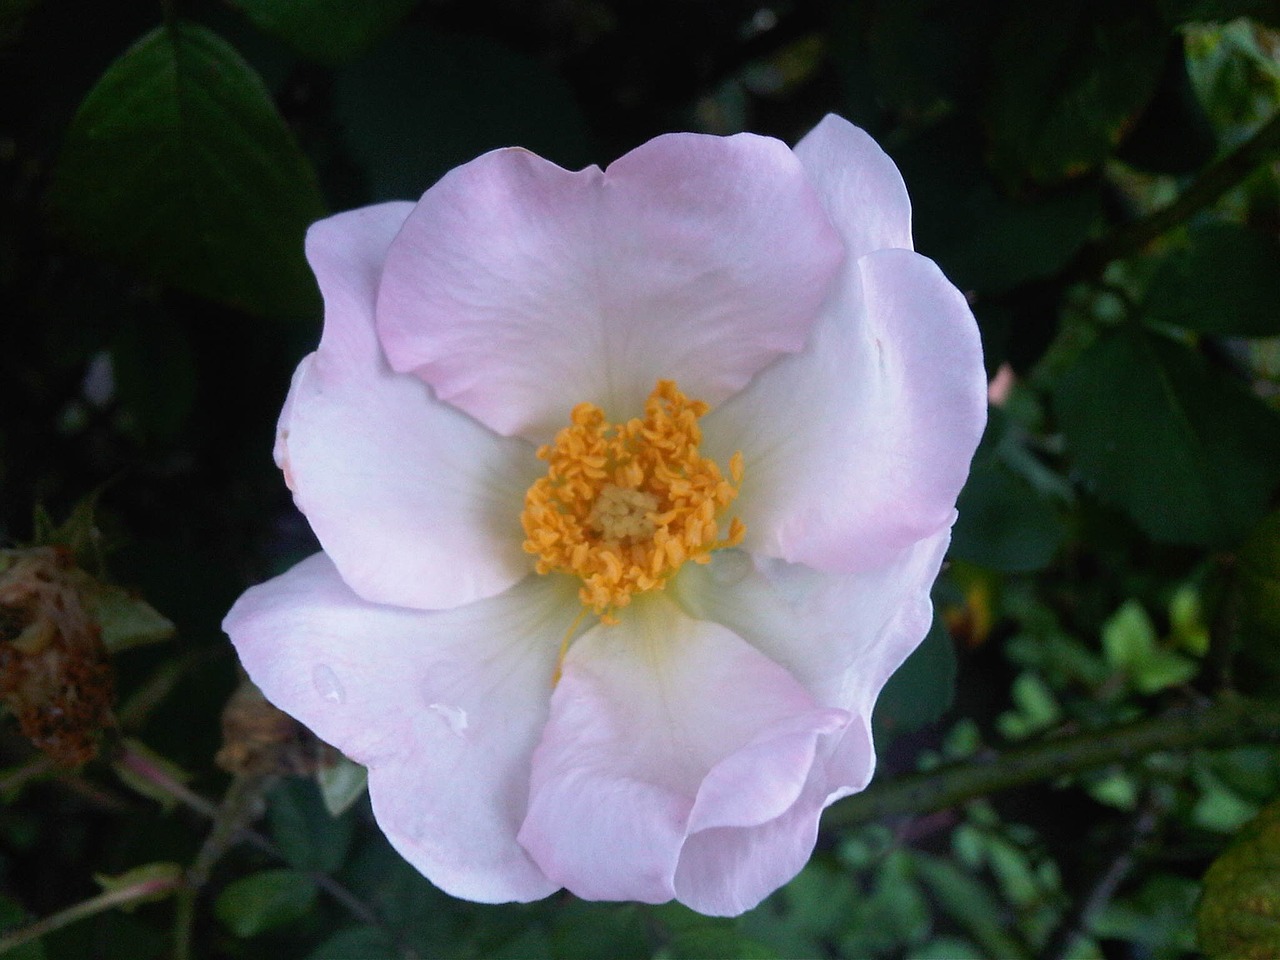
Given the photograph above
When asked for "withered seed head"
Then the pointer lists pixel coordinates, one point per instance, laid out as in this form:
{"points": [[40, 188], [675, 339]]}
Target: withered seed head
{"points": [[55, 674]]}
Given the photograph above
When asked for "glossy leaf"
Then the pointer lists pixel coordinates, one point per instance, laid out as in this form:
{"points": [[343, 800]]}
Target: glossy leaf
{"points": [[177, 164], [1186, 452], [1239, 913], [1226, 281]]}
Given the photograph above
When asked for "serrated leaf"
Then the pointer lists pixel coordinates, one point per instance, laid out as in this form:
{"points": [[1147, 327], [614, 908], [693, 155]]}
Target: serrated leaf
{"points": [[341, 785], [1239, 913], [327, 31], [1188, 453], [1225, 281], [177, 163], [1061, 111], [262, 901]]}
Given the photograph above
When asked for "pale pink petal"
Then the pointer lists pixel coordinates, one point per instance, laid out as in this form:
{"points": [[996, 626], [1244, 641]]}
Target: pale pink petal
{"points": [[416, 503], [724, 872], [858, 447], [444, 707], [840, 635], [860, 187], [662, 728], [518, 289]]}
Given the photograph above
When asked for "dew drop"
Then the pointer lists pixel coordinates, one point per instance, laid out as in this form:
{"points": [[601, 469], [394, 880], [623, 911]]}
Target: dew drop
{"points": [[455, 717], [327, 684]]}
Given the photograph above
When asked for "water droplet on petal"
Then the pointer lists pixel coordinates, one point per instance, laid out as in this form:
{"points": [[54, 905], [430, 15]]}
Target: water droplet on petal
{"points": [[455, 717], [327, 684], [729, 567]]}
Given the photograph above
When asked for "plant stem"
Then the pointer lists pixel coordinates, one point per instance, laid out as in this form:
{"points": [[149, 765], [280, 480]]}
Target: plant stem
{"points": [[1226, 721], [144, 768], [237, 808], [145, 890], [1213, 182]]}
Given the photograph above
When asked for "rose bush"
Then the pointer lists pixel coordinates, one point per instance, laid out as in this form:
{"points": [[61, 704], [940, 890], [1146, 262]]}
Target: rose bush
{"points": [[631, 486]]}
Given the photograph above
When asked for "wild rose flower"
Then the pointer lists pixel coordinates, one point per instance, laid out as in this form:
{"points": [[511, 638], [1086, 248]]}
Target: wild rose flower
{"points": [[631, 486]]}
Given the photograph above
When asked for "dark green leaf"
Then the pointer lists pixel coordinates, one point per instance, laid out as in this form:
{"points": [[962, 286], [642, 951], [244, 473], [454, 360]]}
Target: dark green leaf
{"points": [[1187, 452], [1226, 281], [261, 901], [329, 31], [969, 903], [422, 104], [922, 689], [926, 53], [1258, 579], [1072, 76], [309, 836], [365, 943], [127, 621], [1174, 134], [586, 931], [177, 163], [1239, 914], [983, 237], [700, 943], [1005, 523]]}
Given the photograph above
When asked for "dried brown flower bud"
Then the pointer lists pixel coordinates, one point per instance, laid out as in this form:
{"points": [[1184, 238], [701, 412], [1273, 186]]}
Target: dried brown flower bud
{"points": [[55, 674], [259, 739]]}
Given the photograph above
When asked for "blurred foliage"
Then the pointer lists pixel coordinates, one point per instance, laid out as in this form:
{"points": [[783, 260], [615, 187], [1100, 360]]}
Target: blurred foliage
{"points": [[1118, 548]]}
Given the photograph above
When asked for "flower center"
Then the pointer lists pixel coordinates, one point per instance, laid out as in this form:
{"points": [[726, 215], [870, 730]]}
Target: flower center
{"points": [[624, 505]]}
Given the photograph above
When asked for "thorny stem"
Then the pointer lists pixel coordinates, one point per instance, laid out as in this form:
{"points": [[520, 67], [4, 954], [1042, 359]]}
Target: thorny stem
{"points": [[143, 890], [1213, 182], [1228, 720]]}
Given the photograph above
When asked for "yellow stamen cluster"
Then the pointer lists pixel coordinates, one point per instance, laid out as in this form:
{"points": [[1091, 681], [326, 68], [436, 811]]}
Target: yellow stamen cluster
{"points": [[623, 506]]}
